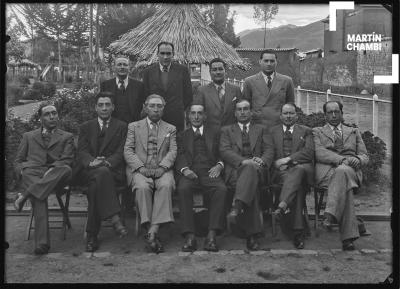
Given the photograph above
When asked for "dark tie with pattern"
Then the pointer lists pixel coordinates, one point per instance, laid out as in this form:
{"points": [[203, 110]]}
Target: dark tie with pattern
{"points": [[103, 128], [245, 129], [121, 85], [197, 133], [219, 89], [269, 84], [287, 131]]}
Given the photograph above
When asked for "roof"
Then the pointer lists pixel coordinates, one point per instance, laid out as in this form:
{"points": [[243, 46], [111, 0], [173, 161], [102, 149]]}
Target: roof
{"points": [[313, 51], [183, 25], [262, 49]]}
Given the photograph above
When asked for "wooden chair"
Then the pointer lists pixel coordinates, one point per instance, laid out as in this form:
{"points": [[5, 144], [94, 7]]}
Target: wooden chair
{"points": [[59, 224]]}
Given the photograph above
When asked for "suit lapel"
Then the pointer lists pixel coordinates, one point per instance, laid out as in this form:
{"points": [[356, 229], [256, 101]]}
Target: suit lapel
{"points": [[37, 136], [128, 88], [214, 96], [237, 135], [262, 86], [276, 85], [189, 142], [209, 140], [172, 75], [328, 132], [228, 96], [110, 131], [143, 132], [346, 132], [253, 135], [162, 132], [55, 137], [297, 133], [279, 140]]}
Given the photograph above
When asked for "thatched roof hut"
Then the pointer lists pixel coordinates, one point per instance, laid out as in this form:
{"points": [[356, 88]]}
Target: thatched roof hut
{"points": [[183, 25]]}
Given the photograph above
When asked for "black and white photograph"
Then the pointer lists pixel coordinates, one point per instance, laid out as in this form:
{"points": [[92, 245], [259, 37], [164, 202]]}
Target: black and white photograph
{"points": [[201, 143]]}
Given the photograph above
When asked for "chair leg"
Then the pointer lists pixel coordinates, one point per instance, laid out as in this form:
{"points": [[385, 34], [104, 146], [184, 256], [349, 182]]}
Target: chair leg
{"points": [[84, 229], [67, 198], [29, 227]]}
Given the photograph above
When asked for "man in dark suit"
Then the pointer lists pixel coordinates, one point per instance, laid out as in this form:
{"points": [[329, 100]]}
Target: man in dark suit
{"points": [[268, 91], [217, 96], [100, 156], [43, 160], [242, 148], [340, 153], [291, 153], [172, 82], [199, 167], [128, 92]]}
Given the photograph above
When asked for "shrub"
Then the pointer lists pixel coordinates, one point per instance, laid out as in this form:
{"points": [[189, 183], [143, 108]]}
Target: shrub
{"points": [[14, 94], [47, 89], [23, 80], [33, 94]]}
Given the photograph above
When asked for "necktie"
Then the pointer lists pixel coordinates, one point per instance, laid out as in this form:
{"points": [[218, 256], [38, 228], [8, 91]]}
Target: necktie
{"points": [[153, 126], [245, 129], [121, 85], [165, 68], [46, 135], [197, 132], [219, 89], [337, 132], [269, 84], [287, 131], [103, 128]]}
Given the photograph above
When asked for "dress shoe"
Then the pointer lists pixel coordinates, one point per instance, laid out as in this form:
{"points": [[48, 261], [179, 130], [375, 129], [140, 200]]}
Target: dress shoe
{"points": [[252, 244], [120, 229], [299, 241], [348, 245], [160, 247], [210, 245], [42, 249], [19, 202], [190, 245], [153, 244], [92, 244]]}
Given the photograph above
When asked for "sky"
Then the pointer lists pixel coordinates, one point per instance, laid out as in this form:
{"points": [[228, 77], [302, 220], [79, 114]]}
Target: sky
{"points": [[296, 14]]}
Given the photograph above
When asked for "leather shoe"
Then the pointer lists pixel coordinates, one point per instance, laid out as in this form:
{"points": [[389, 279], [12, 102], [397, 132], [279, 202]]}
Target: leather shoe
{"points": [[92, 244], [19, 202], [190, 245], [160, 247], [299, 241], [252, 244], [347, 245], [120, 229], [210, 245], [42, 250], [153, 244]]}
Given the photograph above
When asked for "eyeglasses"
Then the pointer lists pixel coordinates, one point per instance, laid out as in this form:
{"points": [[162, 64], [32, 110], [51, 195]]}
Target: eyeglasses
{"points": [[154, 105]]}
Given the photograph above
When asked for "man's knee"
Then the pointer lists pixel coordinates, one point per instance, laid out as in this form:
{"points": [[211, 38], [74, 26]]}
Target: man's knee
{"points": [[343, 170], [102, 172]]}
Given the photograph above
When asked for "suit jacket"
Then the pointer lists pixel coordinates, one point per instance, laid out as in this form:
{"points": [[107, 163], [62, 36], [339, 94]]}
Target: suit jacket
{"points": [[32, 151], [218, 116], [134, 90], [185, 141], [326, 158], [230, 146], [112, 147], [302, 147], [178, 95], [266, 105], [135, 149]]}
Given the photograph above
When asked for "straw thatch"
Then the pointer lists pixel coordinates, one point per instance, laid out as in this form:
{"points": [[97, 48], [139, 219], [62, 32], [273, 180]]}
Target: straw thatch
{"points": [[183, 25], [23, 62]]}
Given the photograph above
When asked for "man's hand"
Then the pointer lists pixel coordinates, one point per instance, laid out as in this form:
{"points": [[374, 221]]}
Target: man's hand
{"points": [[158, 172], [48, 171], [215, 171], [259, 161], [283, 161], [96, 163], [354, 162], [189, 174], [146, 172]]}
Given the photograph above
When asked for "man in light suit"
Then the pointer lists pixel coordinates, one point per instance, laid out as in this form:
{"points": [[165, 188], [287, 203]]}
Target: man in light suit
{"points": [[243, 150], [290, 156], [268, 90], [150, 151], [171, 81], [199, 167], [217, 96], [43, 160], [340, 153], [100, 157], [128, 92]]}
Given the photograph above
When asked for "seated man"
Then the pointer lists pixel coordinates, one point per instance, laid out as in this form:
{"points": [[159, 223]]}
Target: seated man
{"points": [[200, 166], [43, 161], [100, 157], [242, 148], [150, 151], [291, 153], [339, 153]]}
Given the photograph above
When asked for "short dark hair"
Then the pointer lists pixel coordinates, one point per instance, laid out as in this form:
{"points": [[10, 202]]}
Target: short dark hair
{"points": [[196, 103], [217, 59], [289, 103], [151, 96], [268, 51], [44, 104], [333, 101], [241, 99], [108, 94], [165, 43]]}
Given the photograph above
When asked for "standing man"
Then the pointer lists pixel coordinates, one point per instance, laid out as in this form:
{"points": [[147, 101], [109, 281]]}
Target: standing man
{"points": [[291, 154], [243, 147], [340, 153], [150, 151], [217, 96], [128, 92], [199, 167], [100, 157], [43, 160], [268, 91], [172, 82]]}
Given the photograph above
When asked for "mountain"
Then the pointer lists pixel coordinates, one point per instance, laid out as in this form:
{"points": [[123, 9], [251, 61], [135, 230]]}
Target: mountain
{"points": [[304, 38]]}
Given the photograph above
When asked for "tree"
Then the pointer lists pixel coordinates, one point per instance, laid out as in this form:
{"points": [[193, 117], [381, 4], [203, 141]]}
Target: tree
{"points": [[219, 18], [263, 14], [14, 47]]}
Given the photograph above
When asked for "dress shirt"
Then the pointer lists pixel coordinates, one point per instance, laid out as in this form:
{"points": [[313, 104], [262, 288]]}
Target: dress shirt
{"points": [[100, 121], [339, 128], [222, 88], [162, 67], [241, 126], [45, 131], [290, 129], [125, 81], [200, 128], [266, 77], [150, 123]]}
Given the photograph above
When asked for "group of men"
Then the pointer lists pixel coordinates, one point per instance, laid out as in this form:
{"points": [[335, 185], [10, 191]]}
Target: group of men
{"points": [[236, 145]]}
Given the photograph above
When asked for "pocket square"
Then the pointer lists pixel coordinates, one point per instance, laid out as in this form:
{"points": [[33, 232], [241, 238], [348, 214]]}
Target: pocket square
{"points": [[233, 99], [168, 135]]}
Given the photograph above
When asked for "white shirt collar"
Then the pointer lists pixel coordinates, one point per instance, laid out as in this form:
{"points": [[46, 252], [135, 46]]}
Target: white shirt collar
{"points": [[241, 126], [125, 81], [266, 77], [149, 122], [222, 85], [161, 67], [200, 128], [44, 130], [333, 128], [290, 129], [100, 121]]}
